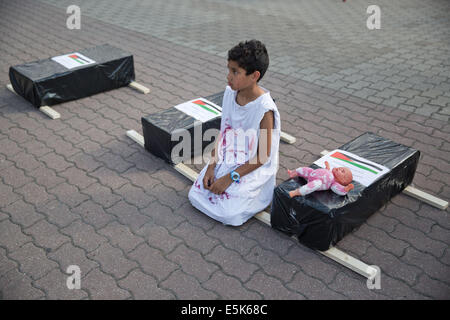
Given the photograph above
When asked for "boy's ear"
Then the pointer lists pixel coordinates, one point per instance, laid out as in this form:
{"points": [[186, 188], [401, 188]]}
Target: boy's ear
{"points": [[256, 75]]}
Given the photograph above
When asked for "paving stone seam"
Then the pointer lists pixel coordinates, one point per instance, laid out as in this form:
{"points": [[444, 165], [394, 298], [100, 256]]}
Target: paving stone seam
{"points": [[399, 257], [294, 243]]}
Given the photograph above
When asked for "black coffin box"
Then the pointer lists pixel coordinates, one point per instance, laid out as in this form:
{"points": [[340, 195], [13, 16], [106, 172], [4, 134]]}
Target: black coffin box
{"points": [[322, 218], [159, 128], [47, 82]]}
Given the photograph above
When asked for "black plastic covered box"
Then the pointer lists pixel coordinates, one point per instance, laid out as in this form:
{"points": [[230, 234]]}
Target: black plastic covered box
{"points": [[323, 218], [47, 82], [158, 129]]}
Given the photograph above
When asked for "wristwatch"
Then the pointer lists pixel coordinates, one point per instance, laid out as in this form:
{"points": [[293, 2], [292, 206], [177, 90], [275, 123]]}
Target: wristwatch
{"points": [[235, 176]]}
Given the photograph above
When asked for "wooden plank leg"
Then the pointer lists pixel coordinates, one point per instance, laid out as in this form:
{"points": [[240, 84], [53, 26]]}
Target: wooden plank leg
{"points": [[425, 197], [350, 262], [418, 194], [139, 87], [50, 112], [332, 253], [44, 109], [136, 137], [186, 171], [287, 138]]}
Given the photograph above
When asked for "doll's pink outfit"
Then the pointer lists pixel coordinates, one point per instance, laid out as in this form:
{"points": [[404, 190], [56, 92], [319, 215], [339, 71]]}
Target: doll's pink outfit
{"points": [[319, 180]]}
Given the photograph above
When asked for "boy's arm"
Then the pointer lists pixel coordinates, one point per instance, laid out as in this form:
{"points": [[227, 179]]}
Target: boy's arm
{"points": [[264, 146], [209, 178], [212, 161], [262, 155]]}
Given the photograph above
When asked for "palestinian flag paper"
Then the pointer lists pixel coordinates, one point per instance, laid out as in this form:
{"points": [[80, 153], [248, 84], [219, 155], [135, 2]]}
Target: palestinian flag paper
{"points": [[200, 109], [364, 171], [73, 60]]}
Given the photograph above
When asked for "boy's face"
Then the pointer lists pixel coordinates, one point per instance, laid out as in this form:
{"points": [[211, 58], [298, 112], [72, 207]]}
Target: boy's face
{"points": [[237, 78]]}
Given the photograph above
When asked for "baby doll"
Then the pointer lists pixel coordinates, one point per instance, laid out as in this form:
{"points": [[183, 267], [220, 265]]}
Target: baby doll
{"points": [[339, 180]]}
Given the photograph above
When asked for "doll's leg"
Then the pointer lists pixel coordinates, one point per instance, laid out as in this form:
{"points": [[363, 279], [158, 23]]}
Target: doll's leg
{"points": [[306, 189], [303, 172]]}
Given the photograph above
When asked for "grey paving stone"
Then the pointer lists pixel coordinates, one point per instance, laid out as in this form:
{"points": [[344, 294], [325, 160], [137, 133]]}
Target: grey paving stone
{"points": [[409, 218], [232, 263], [57, 281], [46, 177], [135, 196], [102, 195], [11, 236], [93, 214], [272, 264], [29, 256], [271, 288], [159, 237], [230, 288], [144, 287], [153, 262], [23, 213], [57, 213], [54, 161], [429, 264], [14, 177], [68, 194], [120, 236], [232, 238], [162, 215], [112, 260], [77, 177], [187, 287], [108, 178], [192, 263], [313, 288], [195, 237], [101, 286], [34, 194], [359, 288], [46, 235], [403, 271], [83, 235], [128, 215], [433, 289], [69, 255], [17, 286]]}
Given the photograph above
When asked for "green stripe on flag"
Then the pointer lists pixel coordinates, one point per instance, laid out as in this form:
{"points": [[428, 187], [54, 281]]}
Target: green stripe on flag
{"points": [[206, 108], [79, 61], [359, 166]]}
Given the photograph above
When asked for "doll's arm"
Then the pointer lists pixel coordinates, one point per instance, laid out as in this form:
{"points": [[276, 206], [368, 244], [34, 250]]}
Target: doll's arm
{"points": [[340, 189], [306, 189]]}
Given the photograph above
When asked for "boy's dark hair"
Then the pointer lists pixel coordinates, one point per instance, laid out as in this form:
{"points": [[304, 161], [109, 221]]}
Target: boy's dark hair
{"points": [[250, 55]]}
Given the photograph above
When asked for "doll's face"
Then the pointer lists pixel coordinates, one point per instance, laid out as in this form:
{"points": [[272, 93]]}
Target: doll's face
{"points": [[342, 175]]}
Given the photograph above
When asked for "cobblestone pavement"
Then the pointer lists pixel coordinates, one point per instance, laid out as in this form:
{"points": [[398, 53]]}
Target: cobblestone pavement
{"points": [[77, 191]]}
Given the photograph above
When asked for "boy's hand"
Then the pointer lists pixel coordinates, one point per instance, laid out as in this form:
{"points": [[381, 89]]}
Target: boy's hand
{"points": [[208, 179], [221, 184]]}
